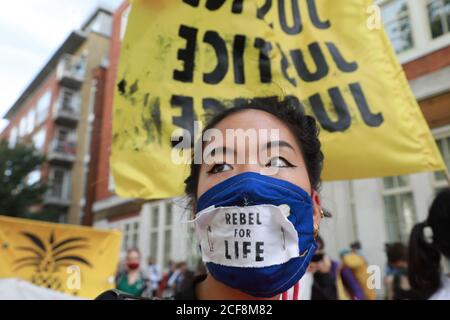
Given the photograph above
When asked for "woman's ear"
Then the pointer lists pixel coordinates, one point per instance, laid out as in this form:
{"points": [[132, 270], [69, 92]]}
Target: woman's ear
{"points": [[317, 210]]}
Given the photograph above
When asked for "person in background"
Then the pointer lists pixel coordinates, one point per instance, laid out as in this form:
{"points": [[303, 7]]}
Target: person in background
{"points": [[132, 280], [183, 280], [325, 274], [164, 290], [154, 276], [355, 247], [352, 287], [357, 264], [429, 241], [171, 283], [396, 281], [327, 282]]}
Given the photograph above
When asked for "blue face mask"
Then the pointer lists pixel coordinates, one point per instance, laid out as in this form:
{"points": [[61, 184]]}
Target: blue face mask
{"points": [[256, 233]]}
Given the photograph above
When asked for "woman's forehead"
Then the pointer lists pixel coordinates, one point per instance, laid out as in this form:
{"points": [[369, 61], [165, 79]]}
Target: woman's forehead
{"points": [[251, 118], [132, 254], [252, 124]]}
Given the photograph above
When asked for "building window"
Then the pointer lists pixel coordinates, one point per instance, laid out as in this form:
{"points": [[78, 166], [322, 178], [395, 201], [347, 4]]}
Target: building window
{"points": [[155, 217], [130, 234], [42, 107], [399, 209], [439, 17], [69, 100], [169, 214], [135, 238], [13, 136], [62, 136], [39, 139], [154, 244], [154, 228], [167, 247], [124, 22], [65, 141], [72, 66], [440, 177], [22, 127], [352, 200], [111, 183], [397, 24], [161, 230], [126, 237], [60, 181], [168, 233], [31, 121]]}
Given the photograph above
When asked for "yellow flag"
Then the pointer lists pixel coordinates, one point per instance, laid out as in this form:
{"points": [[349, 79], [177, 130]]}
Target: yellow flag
{"points": [[74, 260], [183, 59]]}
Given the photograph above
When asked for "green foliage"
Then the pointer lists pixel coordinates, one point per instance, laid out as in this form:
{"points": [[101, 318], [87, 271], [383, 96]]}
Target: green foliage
{"points": [[16, 194]]}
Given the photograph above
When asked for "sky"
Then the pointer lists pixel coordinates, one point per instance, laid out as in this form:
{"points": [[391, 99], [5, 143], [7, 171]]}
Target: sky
{"points": [[30, 32]]}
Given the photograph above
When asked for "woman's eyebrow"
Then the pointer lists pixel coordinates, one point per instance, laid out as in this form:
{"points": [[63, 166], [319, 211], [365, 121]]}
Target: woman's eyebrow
{"points": [[279, 144]]}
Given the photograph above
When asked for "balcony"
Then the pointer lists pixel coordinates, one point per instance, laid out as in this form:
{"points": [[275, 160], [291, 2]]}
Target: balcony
{"points": [[50, 200], [62, 152], [59, 191], [71, 71], [66, 110]]}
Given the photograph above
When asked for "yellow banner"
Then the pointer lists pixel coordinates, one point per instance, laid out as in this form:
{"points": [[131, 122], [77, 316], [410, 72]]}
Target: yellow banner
{"points": [[74, 260], [183, 59]]}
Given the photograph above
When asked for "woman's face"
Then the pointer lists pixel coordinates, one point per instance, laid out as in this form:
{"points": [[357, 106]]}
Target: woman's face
{"points": [[133, 258], [278, 156]]}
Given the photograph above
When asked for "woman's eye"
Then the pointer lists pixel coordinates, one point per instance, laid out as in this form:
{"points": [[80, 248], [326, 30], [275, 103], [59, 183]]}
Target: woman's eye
{"points": [[278, 162], [220, 167]]}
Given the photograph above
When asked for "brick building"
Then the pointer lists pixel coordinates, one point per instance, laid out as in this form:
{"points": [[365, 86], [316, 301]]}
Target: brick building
{"points": [[55, 114]]}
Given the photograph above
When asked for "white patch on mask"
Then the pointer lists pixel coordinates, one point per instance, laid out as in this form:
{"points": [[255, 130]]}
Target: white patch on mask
{"points": [[253, 236]]}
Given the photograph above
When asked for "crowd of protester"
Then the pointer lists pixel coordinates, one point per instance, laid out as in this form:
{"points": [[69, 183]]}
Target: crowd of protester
{"points": [[412, 272]]}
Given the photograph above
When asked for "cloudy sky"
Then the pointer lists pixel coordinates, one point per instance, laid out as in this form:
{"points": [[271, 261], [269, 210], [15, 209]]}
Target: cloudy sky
{"points": [[30, 32]]}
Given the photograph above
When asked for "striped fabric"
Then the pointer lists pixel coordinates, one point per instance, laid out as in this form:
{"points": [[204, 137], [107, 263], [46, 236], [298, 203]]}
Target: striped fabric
{"points": [[292, 293]]}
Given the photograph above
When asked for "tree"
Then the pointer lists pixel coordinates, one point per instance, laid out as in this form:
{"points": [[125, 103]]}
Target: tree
{"points": [[17, 194]]}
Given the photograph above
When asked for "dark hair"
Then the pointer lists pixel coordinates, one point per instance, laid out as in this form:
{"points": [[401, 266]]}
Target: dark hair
{"points": [[355, 245], [303, 127], [396, 252], [424, 268]]}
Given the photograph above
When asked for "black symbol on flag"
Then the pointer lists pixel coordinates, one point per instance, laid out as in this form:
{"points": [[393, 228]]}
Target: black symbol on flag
{"points": [[47, 257]]}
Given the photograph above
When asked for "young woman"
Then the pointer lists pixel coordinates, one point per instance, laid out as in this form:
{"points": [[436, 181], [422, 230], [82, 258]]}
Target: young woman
{"points": [[257, 215], [266, 258], [132, 280], [428, 242]]}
